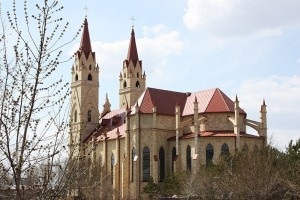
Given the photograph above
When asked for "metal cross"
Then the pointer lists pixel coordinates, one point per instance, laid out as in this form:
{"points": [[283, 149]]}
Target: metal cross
{"points": [[132, 20], [86, 9]]}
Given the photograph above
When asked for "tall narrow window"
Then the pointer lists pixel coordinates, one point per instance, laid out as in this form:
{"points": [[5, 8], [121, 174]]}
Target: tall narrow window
{"points": [[209, 154], [137, 75], [124, 84], [75, 116], [132, 164], [76, 77], [89, 116], [90, 77], [146, 164], [137, 84], [112, 168], [224, 149], [188, 158], [173, 158], [90, 67], [161, 164]]}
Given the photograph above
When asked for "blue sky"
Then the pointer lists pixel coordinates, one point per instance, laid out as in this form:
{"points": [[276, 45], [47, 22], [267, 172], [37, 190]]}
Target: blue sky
{"points": [[244, 47]]}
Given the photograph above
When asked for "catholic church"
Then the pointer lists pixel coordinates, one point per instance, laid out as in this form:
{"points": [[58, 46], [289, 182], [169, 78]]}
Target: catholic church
{"points": [[154, 132]]}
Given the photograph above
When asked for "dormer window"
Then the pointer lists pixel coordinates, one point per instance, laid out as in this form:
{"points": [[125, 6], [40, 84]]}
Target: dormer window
{"points": [[90, 77]]}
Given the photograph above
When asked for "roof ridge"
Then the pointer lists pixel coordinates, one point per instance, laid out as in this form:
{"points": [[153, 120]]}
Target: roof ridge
{"points": [[221, 93], [165, 90], [210, 99]]}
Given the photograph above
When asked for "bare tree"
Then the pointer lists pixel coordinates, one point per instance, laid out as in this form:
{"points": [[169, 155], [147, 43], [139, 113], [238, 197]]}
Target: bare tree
{"points": [[33, 112]]}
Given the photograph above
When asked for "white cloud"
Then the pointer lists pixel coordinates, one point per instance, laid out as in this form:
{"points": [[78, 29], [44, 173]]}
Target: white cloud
{"points": [[241, 17], [282, 95]]}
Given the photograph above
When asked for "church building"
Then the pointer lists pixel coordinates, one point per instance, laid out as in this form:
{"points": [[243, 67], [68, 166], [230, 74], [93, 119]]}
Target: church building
{"points": [[154, 132]]}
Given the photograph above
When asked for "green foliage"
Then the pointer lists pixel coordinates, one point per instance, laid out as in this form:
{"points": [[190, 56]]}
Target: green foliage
{"points": [[293, 150], [261, 174], [151, 189], [292, 163], [170, 186]]}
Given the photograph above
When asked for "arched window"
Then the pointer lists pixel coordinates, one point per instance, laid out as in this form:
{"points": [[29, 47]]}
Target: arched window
{"points": [[90, 77], [124, 84], [209, 154], [76, 77], [224, 150], [132, 164], [89, 116], [146, 164], [112, 168], [173, 158], [161, 164], [137, 84], [75, 116], [188, 158], [90, 67], [137, 75]]}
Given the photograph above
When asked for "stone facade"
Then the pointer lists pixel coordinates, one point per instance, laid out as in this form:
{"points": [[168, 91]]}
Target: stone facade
{"points": [[154, 132]]}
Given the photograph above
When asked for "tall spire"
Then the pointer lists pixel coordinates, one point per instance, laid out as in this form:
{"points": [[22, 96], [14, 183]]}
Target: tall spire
{"points": [[85, 44], [132, 50]]}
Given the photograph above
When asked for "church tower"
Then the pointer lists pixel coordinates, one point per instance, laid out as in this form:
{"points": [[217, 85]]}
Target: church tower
{"points": [[85, 91], [132, 76]]}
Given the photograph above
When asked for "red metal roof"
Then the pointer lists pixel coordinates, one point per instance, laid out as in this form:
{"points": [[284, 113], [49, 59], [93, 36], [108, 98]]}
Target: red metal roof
{"points": [[203, 98], [164, 100], [212, 100], [111, 123], [220, 103]]}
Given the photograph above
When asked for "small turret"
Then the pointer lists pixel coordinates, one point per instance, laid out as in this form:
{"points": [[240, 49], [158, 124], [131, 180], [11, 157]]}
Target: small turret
{"points": [[106, 106], [236, 122], [263, 120]]}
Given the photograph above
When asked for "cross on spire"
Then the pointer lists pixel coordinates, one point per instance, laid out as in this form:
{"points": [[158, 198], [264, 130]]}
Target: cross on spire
{"points": [[86, 9], [132, 20]]}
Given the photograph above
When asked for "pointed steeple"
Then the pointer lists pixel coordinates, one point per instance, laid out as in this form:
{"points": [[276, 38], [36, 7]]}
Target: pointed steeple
{"points": [[132, 54], [85, 44]]}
